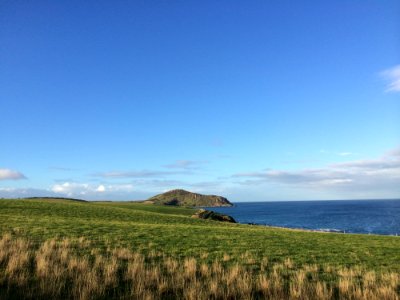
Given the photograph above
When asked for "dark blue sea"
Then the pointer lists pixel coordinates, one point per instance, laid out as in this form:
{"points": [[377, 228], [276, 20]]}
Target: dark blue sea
{"points": [[349, 216]]}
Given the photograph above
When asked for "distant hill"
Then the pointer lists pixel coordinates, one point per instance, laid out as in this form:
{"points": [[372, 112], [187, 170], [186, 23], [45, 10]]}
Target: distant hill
{"points": [[53, 198], [186, 198]]}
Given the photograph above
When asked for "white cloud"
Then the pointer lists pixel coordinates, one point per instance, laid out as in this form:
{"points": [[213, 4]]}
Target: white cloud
{"points": [[392, 75], [7, 174], [70, 189], [101, 188]]}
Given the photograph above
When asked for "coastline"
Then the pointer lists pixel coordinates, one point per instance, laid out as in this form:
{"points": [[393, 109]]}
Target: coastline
{"points": [[330, 231], [365, 217]]}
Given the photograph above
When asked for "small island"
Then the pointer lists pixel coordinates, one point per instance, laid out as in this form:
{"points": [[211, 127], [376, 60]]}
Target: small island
{"points": [[181, 197]]}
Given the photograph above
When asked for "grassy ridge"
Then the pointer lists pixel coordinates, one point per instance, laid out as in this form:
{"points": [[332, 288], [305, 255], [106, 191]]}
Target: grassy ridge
{"points": [[145, 228]]}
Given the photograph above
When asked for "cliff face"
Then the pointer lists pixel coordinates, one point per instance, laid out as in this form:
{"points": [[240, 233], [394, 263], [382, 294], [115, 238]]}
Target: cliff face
{"points": [[185, 198]]}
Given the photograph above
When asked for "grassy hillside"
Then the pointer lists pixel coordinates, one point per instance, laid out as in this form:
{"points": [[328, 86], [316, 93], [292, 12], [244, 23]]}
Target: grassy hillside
{"points": [[148, 228], [185, 198], [64, 249]]}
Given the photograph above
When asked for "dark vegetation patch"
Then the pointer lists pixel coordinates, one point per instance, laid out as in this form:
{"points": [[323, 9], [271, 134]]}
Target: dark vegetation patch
{"points": [[211, 215]]}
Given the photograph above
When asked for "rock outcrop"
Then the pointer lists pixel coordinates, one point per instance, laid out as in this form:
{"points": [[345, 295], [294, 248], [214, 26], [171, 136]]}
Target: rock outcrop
{"points": [[211, 215]]}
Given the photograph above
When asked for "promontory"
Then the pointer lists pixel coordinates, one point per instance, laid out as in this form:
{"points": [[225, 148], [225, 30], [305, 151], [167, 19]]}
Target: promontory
{"points": [[181, 197]]}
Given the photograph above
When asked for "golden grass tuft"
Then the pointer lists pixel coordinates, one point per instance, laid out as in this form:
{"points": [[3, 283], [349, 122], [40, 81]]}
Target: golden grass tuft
{"points": [[70, 269]]}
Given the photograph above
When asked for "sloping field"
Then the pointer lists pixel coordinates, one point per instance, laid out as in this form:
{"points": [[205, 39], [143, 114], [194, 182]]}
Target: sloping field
{"points": [[148, 229]]}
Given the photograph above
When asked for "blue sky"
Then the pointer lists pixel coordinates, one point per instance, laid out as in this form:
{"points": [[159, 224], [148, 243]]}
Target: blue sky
{"points": [[255, 100]]}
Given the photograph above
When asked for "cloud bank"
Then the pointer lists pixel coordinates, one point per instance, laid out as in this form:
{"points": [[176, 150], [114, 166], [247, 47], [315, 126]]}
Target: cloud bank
{"points": [[71, 189], [353, 179], [379, 176], [78, 190]]}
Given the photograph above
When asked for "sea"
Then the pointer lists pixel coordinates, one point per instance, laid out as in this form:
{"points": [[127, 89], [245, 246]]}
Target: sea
{"points": [[345, 216]]}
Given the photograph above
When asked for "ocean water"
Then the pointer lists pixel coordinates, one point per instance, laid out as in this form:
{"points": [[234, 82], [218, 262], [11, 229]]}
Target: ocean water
{"points": [[349, 216]]}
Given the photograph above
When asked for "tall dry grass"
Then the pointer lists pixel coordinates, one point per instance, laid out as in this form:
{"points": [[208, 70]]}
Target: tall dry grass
{"points": [[72, 269]]}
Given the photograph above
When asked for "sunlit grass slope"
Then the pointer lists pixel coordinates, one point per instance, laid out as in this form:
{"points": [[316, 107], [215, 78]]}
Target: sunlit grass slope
{"points": [[76, 269], [147, 228]]}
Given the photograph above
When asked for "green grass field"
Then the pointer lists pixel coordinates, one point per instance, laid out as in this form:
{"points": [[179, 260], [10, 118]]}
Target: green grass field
{"points": [[170, 230]]}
